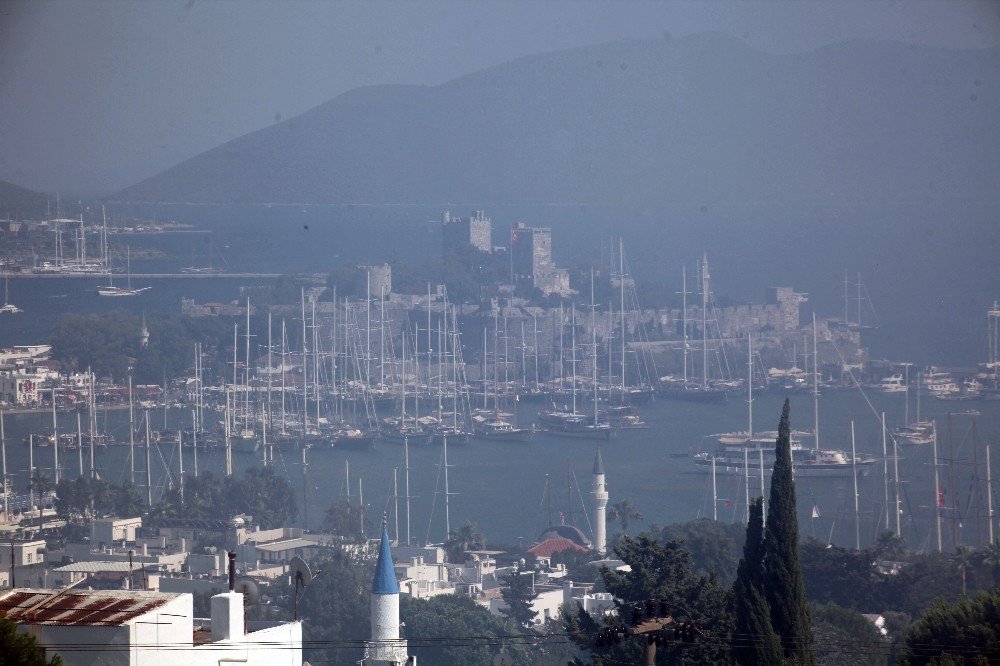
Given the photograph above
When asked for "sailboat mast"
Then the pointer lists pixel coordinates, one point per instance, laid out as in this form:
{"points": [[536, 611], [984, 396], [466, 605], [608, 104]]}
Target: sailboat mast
{"points": [[895, 479], [715, 495], [381, 342], [621, 279], [684, 319], [854, 474], [406, 483], [815, 387], [704, 321], [149, 467], [859, 300], [885, 473], [749, 387], [937, 492], [284, 343], [270, 370], [55, 436], [534, 333], [573, 352], [305, 370], [989, 487], [246, 373], [6, 496], [228, 442], [593, 342], [131, 430], [368, 324], [447, 493]]}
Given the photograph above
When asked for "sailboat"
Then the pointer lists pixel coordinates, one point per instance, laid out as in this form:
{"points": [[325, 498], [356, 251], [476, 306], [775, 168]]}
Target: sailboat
{"points": [[746, 453], [675, 388], [564, 423], [128, 290], [8, 307]]}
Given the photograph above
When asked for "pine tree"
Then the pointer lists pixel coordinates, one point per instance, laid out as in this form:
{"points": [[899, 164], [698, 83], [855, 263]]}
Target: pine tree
{"points": [[22, 649], [754, 640], [783, 585]]}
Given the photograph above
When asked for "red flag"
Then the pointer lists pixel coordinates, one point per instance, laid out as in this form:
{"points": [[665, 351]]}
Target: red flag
{"points": [[941, 497], [728, 504]]}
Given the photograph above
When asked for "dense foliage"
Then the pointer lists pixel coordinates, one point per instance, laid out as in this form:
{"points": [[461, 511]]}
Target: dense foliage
{"points": [[966, 632], [262, 493], [844, 637], [454, 630], [663, 570], [754, 640], [465, 538], [110, 344], [518, 592], [345, 519], [714, 545], [783, 574], [82, 499]]}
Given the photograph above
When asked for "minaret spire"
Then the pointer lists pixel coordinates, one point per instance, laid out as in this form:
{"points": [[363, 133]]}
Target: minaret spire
{"points": [[385, 647], [600, 495]]}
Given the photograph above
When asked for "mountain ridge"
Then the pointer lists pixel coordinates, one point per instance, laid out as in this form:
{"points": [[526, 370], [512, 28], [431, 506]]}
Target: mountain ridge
{"points": [[702, 118]]}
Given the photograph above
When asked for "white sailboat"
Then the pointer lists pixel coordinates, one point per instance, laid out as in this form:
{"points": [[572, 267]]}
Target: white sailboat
{"points": [[128, 290], [8, 307]]}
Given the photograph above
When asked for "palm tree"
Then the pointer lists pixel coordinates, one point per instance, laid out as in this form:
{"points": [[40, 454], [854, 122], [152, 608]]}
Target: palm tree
{"points": [[624, 511], [962, 558], [465, 538]]}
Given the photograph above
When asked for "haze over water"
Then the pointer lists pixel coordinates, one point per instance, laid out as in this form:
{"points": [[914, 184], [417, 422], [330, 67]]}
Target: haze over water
{"points": [[501, 486]]}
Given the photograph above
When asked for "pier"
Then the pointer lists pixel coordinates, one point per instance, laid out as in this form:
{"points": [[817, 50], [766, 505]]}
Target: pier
{"points": [[141, 276]]}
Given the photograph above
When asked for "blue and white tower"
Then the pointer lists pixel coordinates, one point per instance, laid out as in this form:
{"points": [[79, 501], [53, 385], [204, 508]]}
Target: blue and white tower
{"points": [[385, 647]]}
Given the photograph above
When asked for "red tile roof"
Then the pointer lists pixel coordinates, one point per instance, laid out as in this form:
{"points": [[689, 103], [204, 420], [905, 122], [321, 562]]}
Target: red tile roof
{"points": [[107, 608], [554, 545]]}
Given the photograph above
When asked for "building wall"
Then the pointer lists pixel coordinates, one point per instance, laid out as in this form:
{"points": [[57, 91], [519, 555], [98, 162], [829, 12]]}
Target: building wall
{"points": [[164, 637]]}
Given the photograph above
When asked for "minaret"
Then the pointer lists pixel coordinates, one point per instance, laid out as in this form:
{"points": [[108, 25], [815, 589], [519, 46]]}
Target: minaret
{"points": [[600, 494], [144, 335], [385, 647]]}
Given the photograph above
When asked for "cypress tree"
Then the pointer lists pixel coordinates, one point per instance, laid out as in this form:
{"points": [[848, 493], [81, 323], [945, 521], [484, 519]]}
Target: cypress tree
{"points": [[754, 640], [783, 585]]}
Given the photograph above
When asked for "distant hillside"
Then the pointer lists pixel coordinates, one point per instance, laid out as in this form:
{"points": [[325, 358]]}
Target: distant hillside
{"points": [[18, 202], [701, 119]]}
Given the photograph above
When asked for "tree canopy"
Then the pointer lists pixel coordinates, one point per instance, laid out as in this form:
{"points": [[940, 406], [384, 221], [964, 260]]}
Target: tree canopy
{"points": [[966, 632], [21, 649]]}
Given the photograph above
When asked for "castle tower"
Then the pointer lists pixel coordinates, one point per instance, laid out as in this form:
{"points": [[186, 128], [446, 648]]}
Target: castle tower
{"points": [[600, 494], [385, 647]]}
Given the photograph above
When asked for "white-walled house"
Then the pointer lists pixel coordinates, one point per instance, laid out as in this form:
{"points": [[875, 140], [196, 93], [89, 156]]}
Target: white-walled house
{"points": [[134, 627]]}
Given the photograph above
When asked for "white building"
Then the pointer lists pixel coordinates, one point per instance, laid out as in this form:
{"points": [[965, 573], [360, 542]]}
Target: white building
{"points": [[133, 627], [110, 531]]}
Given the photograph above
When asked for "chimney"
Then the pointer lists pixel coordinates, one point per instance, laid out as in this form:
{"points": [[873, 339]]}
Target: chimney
{"points": [[227, 610]]}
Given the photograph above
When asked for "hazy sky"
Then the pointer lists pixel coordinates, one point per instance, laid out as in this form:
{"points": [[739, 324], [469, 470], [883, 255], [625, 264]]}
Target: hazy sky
{"points": [[95, 96]]}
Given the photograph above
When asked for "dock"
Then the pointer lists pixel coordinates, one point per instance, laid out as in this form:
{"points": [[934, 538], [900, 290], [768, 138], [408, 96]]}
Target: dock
{"points": [[142, 276]]}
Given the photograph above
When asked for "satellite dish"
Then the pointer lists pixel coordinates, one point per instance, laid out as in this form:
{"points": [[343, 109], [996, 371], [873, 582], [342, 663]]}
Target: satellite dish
{"points": [[249, 589], [302, 576], [300, 571]]}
